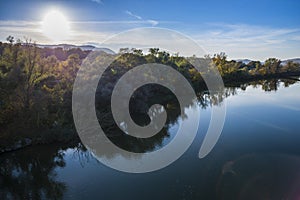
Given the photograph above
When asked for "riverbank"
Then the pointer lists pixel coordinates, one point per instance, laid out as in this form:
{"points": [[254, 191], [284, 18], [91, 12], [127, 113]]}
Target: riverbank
{"points": [[14, 138], [36, 137]]}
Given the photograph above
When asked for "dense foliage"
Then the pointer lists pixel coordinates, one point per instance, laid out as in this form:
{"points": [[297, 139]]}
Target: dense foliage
{"points": [[36, 83]]}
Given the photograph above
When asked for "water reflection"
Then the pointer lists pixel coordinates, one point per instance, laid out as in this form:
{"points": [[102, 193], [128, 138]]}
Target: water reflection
{"points": [[29, 174], [148, 95], [271, 84], [40, 172]]}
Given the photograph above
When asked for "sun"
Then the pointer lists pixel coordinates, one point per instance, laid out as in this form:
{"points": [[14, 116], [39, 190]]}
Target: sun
{"points": [[55, 26]]}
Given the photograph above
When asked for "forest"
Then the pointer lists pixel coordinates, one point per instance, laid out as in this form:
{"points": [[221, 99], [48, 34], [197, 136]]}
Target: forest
{"points": [[36, 85]]}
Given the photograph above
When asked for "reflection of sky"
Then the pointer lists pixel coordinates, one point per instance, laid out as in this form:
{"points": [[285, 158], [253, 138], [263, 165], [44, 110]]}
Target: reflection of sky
{"points": [[276, 110], [263, 121], [257, 122], [254, 113]]}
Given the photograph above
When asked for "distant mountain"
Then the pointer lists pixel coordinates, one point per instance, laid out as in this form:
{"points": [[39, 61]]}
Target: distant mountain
{"points": [[82, 47], [283, 62], [295, 60], [245, 61]]}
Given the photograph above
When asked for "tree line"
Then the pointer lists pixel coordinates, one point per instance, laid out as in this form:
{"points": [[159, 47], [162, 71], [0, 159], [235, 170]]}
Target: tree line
{"points": [[36, 83]]}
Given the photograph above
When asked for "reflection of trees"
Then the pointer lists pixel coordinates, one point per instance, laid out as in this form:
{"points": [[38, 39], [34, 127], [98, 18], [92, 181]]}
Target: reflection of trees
{"points": [[206, 99], [270, 84], [146, 96], [81, 154], [29, 174], [169, 101], [266, 85], [150, 94], [138, 109]]}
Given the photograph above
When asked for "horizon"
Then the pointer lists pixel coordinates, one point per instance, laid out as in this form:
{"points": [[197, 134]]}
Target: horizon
{"points": [[146, 52], [271, 29]]}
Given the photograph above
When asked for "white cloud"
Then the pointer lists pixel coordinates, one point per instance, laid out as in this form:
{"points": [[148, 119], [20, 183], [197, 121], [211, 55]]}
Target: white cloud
{"points": [[21, 30], [150, 21], [248, 41], [237, 40], [133, 15], [81, 31], [97, 1]]}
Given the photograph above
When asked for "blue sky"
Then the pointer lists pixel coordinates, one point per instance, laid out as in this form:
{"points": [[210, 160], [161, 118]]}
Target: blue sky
{"points": [[255, 29]]}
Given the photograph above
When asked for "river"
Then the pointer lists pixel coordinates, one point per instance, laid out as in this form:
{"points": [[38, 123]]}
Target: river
{"points": [[256, 157]]}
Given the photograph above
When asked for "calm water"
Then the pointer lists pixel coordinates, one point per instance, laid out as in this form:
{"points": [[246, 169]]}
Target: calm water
{"points": [[257, 157]]}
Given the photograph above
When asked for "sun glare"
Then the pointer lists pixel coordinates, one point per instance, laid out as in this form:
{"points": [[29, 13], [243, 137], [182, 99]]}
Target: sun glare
{"points": [[55, 26]]}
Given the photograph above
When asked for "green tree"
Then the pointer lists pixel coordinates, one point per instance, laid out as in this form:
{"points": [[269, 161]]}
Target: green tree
{"points": [[272, 65], [154, 51]]}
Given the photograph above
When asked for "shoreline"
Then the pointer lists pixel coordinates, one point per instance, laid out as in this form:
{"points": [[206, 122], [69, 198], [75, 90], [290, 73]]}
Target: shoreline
{"points": [[69, 134]]}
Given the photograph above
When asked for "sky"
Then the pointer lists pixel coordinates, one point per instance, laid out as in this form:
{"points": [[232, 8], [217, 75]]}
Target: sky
{"points": [[254, 29]]}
